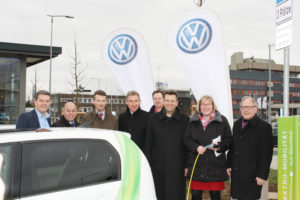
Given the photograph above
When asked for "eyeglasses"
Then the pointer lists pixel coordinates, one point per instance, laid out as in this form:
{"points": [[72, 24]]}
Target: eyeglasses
{"points": [[247, 107], [206, 105]]}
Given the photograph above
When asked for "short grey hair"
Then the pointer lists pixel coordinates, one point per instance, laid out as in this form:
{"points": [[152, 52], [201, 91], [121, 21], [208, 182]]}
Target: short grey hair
{"points": [[41, 92], [248, 97], [132, 93]]}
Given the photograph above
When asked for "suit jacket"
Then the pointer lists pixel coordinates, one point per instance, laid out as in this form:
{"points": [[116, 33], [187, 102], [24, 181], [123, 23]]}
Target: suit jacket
{"points": [[62, 122], [29, 120], [109, 122]]}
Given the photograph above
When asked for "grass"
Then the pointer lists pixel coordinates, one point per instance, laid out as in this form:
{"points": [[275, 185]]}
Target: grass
{"points": [[273, 180]]}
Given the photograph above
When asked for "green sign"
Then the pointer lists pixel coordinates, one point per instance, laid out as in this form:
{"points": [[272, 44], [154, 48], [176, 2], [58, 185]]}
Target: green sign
{"points": [[288, 158]]}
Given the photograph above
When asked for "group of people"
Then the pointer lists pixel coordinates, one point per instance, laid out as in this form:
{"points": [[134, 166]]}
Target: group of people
{"points": [[172, 141]]}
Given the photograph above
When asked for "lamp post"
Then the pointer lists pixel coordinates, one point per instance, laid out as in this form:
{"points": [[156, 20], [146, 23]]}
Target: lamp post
{"points": [[51, 38], [270, 85]]}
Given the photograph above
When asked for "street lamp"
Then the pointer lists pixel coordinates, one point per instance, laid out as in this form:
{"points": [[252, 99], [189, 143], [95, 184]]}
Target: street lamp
{"points": [[50, 70], [270, 85]]}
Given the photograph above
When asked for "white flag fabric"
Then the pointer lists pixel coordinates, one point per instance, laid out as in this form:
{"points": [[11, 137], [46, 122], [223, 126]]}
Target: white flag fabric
{"points": [[197, 39], [258, 100], [126, 54], [264, 103]]}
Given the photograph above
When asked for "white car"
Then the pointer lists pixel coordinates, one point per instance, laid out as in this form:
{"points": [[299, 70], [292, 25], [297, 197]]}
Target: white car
{"points": [[73, 163]]}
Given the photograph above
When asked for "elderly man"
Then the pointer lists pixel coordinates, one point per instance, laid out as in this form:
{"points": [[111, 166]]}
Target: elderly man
{"points": [[158, 100], [250, 156], [38, 117], [101, 117], [134, 120], [165, 149], [68, 117]]}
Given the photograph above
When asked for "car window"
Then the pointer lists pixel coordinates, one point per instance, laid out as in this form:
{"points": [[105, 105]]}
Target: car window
{"points": [[5, 158], [56, 165]]}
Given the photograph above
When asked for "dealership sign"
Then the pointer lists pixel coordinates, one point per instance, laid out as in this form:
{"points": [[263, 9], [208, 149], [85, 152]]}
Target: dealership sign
{"points": [[288, 158], [284, 27]]}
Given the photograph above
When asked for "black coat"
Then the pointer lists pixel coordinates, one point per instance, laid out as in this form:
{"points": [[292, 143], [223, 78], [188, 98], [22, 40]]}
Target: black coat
{"points": [[209, 168], [250, 157], [135, 124], [62, 122], [165, 151]]}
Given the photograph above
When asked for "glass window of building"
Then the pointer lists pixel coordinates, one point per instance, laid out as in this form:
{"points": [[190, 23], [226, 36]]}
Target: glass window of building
{"points": [[9, 90]]}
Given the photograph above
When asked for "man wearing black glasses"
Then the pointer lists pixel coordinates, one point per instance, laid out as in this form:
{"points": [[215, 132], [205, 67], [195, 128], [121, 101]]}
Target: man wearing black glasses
{"points": [[250, 156]]}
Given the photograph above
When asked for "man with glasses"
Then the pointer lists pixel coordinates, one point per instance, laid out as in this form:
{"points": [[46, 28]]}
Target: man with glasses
{"points": [[250, 156]]}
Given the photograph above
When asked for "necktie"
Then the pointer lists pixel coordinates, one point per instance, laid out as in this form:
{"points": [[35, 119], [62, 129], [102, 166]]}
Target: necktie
{"points": [[101, 115]]}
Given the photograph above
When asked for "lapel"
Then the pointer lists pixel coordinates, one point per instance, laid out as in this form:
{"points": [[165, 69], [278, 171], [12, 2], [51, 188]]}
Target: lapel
{"points": [[36, 119]]}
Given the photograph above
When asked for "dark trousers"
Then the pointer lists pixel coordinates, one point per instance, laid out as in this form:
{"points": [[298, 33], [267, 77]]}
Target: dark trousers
{"points": [[214, 195]]}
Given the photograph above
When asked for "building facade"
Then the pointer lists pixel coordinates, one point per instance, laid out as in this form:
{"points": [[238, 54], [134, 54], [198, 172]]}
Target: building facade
{"points": [[14, 59], [115, 103], [250, 76]]}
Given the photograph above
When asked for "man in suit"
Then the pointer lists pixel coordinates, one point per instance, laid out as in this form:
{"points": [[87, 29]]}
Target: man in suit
{"points": [[158, 100], [68, 117], [101, 117], [134, 120], [38, 117], [250, 156]]}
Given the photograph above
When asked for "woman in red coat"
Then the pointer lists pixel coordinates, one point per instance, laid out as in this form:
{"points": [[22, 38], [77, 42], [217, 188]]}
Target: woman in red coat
{"points": [[205, 127]]}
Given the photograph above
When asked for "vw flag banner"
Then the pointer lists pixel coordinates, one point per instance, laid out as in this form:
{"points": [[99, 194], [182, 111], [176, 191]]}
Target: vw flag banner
{"points": [[197, 39], [125, 52]]}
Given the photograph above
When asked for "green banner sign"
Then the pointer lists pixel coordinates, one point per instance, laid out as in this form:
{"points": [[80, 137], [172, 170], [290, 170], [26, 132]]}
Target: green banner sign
{"points": [[288, 158]]}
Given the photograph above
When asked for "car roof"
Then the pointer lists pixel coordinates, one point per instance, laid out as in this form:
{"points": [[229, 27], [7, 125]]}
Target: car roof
{"points": [[58, 133]]}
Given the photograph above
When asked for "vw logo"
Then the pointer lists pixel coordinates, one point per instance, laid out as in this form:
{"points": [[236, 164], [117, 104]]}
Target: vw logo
{"points": [[194, 36], [122, 49]]}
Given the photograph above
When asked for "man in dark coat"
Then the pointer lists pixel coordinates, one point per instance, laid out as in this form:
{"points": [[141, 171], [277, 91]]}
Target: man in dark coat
{"points": [[68, 118], [134, 120], [38, 117], [165, 150], [250, 157], [158, 100]]}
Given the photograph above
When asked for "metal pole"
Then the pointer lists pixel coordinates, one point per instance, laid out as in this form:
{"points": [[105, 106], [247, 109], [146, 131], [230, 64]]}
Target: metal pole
{"points": [[270, 90], [286, 82], [50, 70]]}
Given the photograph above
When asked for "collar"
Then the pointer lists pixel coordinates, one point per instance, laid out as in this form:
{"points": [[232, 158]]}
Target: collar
{"points": [[217, 117], [251, 121], [128, 111], [40, 114], [175, 115]]}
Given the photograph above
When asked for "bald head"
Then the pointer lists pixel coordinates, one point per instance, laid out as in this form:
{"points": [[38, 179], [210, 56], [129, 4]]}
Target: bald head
{"points": [[70, 111]]}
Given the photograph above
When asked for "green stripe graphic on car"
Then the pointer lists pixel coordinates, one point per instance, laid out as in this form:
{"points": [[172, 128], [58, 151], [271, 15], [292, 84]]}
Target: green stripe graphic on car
{"points": [[130, 184]]}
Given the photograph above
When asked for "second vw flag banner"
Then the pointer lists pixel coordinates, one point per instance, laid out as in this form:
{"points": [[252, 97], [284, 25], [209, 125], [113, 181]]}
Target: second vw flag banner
{"points": [[197, 40]]}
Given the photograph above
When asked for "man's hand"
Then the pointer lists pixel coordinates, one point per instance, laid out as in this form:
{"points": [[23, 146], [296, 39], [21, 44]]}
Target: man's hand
{"points": [[260, 181], [229, 172], [201, 150], [185, 171]]}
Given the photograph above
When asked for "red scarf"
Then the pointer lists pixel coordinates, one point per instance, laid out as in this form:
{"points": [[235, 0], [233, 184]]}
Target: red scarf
{"points": [[205, 122]]}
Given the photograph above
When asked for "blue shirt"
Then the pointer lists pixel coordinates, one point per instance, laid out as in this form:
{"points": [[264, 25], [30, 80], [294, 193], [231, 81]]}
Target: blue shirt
{"points": [[43, 120]]}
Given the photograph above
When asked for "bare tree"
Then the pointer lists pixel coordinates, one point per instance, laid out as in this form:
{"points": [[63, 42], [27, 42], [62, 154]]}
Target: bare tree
{"points": [[78, 76], [35, 83]]}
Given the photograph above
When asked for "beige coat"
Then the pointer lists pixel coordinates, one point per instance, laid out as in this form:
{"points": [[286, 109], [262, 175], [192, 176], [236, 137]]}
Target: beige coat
{"points": [[109, 122]]}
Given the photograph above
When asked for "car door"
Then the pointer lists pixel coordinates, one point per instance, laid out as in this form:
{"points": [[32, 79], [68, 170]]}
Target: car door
{"points": [[69, 169]]}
